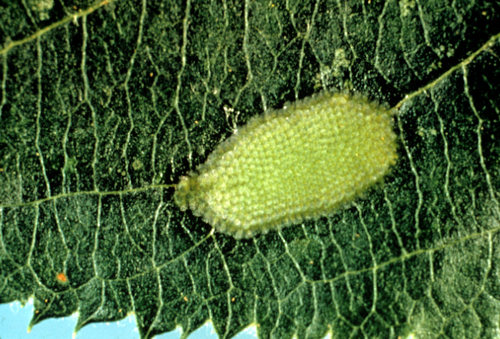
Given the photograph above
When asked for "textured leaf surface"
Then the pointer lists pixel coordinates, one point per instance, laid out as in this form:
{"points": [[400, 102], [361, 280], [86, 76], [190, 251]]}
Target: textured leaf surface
{"points": [[105, 105]]}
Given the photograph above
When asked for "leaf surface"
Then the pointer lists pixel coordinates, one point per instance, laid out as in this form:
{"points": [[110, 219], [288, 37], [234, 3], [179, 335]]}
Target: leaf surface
{"points": [[105, 105]]}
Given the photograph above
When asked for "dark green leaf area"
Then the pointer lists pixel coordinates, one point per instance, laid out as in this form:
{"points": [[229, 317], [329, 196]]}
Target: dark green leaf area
{"points": [[145, 293], [49, 305], [17, 234], [18, 282]]}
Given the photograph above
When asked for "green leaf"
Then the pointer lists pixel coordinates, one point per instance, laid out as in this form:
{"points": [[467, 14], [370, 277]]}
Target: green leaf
{"points": [[105, 105]]}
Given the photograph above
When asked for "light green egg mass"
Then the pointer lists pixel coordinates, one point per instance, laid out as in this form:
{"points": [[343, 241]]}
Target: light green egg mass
{"points": [[304, 161]]}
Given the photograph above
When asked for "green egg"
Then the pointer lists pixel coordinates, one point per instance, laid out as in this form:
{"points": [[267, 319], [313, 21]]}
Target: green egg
{"points": [[304, 161]]}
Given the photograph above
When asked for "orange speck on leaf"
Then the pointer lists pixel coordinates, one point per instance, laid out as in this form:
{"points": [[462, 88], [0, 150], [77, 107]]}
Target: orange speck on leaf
{"points": [[185, 299], [62, 278]]}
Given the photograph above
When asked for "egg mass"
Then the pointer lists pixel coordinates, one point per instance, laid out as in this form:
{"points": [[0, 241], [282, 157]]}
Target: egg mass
{"points": [[300, 162]]}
